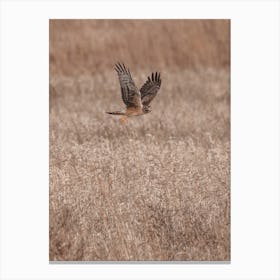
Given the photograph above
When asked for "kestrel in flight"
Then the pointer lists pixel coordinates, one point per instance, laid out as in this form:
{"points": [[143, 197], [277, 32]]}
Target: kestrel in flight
{"points": [[137, 102]]}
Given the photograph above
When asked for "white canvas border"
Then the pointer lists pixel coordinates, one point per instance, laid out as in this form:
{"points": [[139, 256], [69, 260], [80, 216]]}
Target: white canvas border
{"points": [[254, 131]]}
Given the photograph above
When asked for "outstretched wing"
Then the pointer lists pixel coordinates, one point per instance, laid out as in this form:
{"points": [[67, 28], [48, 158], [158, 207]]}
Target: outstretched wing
{"points": [[130, 94], [150, 88]]}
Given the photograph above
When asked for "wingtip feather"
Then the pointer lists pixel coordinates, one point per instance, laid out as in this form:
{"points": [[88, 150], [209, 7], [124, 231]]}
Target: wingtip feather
{"points": [[120, 67], [117, 67]]}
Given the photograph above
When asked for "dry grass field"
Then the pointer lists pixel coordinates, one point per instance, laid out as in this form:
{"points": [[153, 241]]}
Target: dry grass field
{"points": [[158, 187]]}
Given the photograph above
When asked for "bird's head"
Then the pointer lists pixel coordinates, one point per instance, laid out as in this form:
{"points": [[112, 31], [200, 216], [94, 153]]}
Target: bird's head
{"points": [[147, 109]]}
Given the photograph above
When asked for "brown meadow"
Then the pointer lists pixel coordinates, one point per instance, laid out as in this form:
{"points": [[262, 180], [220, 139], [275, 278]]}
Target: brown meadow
{"points": [[157, 188]]}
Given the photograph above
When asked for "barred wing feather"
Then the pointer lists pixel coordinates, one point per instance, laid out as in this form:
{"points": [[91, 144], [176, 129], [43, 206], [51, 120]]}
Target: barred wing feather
{"points": [[130, 94], [150, 88]]}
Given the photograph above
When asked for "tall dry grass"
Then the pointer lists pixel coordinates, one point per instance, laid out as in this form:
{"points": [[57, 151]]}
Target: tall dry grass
{"points": [[157, 188]]}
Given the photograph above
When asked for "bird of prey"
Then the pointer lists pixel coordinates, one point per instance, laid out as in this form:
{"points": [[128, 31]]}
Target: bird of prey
{"points": [[137, 102]]}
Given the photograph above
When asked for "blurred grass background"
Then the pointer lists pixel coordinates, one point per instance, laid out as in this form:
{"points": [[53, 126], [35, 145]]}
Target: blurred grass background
{"points": [[159, 187], [88, 47]]}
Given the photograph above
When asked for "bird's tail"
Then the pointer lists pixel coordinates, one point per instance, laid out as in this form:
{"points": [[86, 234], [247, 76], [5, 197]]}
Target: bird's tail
{"points": [[115, 113]]}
